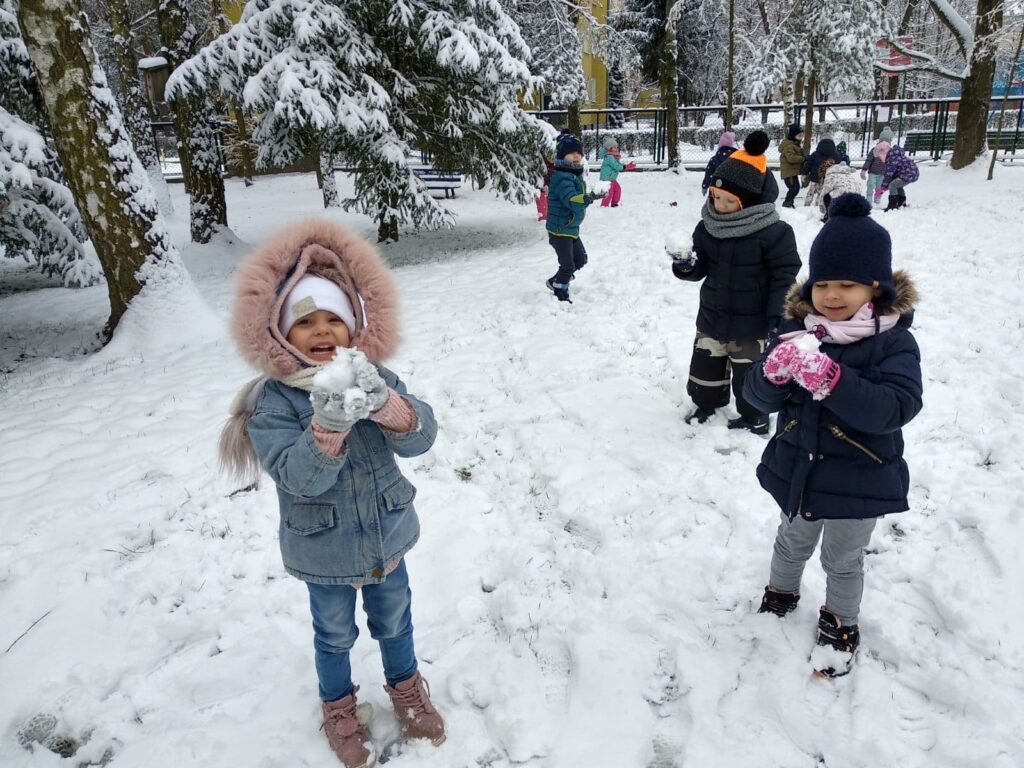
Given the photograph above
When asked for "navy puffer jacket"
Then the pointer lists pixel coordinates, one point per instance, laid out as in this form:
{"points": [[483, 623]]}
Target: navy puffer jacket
{"points": [[842, 457]]}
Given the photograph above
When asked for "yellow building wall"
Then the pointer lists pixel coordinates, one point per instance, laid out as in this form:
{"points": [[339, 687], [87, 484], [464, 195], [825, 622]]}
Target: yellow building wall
{"points": [[594, 71]]}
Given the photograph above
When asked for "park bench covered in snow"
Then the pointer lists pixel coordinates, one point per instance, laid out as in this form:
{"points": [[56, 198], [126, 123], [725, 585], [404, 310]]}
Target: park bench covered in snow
{"points": [[439, 181]]}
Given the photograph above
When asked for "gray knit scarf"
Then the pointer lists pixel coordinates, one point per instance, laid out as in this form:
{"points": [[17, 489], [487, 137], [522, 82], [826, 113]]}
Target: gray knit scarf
{"points": [[740, 224]]}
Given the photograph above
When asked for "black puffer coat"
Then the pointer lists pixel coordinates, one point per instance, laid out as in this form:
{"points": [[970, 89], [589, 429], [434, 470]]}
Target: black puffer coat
{"points": [[745, 278], [842, 457], [826, 150]]}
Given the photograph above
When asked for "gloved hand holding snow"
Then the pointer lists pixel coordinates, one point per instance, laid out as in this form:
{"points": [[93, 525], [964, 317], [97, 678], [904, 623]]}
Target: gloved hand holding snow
{"points": [[338, 397], [680, 248], [788, 357], [599, 189]]}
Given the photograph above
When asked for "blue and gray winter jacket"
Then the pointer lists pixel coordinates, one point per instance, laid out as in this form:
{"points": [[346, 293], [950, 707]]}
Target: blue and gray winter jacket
{"points": [[567, 201]]}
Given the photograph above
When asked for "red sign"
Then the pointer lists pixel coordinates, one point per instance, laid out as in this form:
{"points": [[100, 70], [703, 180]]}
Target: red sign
{"points": [[895, 58]]}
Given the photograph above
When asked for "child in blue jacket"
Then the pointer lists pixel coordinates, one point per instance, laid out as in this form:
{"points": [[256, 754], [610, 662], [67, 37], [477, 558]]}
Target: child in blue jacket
{"points": [[312, 292], [568, 200], [844, 375]]}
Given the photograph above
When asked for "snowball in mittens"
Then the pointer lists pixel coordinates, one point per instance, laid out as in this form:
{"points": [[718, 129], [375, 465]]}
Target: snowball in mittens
{"points": [[807, 343]]}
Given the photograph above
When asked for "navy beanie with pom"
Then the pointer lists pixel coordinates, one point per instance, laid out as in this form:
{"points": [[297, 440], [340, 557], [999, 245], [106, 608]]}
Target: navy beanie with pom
{"points": [[567, 144], [852, 247]]}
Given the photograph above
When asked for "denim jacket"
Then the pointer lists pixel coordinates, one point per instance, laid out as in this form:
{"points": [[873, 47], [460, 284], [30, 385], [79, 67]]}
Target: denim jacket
{"points": [[344, 519]]}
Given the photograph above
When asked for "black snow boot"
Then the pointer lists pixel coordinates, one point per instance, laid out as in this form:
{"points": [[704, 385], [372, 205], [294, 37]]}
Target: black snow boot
{"points": [[561, 290], [701, 415], [758, 426], [779, 603], [833, 635]]}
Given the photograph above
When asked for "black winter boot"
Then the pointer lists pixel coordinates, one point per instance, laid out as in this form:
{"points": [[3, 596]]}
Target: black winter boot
{"points": [[833, 637], [701, 415], [758, 426], [779, 603], [561, 290]]}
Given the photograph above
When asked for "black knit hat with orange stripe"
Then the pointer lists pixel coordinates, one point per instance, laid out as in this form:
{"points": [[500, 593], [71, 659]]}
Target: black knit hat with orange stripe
{"points": [[742, 173]]}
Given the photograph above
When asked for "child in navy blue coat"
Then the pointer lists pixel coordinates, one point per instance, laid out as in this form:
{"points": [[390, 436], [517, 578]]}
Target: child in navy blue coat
{"points": [[844, 375]]}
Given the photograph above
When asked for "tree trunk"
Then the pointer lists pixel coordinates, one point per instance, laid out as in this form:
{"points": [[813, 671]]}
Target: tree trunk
{"points": [[102, 172], [729, 71], [329, 185], [976, 92], [809, 112], [196, 127], [134, 106], [572, 119], [669, 82]]}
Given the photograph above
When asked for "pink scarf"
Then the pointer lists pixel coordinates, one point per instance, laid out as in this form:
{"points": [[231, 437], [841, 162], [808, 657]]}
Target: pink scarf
{"points": [[858, 327]]}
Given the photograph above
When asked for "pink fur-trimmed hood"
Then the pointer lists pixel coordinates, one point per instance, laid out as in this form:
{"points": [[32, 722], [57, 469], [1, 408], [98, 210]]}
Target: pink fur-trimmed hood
{"points": [[329, 250]]}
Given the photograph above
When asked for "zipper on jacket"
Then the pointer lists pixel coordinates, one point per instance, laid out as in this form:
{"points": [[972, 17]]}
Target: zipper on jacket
{"points": [[788, 428], [846, 438]]}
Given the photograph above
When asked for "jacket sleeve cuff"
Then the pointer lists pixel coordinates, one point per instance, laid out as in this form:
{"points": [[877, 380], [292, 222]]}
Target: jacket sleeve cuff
{"points": [[396, 415], [329, 441]]}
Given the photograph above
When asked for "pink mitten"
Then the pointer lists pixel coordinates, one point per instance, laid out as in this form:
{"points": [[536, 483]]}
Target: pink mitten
{"points": [[630, 167], [817, 373], [778, 366]]}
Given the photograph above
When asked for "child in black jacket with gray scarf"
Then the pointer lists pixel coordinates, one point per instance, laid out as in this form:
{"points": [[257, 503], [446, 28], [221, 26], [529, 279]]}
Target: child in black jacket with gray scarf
{"points": [[747, 259]]}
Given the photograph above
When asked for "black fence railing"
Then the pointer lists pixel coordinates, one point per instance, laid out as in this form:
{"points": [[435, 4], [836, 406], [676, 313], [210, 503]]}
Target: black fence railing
{"points": [[922, 125]]}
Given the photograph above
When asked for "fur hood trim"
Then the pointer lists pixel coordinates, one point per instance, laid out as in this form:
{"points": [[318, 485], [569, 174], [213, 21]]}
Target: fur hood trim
{"points": [[906, 300], [330, 250]]}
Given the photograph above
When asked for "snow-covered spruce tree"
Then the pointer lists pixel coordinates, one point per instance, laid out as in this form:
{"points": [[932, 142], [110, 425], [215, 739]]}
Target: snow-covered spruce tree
{"points": [[824, 43], [551, 30], [374, 81], [109, 186], [195, 124], [38, 219]]}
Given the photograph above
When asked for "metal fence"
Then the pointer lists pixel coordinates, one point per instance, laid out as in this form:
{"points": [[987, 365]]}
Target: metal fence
{"points": [[923, 126]]}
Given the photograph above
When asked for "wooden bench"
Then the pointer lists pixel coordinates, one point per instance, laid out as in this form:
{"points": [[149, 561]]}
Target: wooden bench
{"points": [[925, 141], [439, 181]]}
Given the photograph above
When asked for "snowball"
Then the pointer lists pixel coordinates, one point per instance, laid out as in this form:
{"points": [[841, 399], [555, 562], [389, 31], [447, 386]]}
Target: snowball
{"points": [[678, 243], [339, 374], [807, 343]]}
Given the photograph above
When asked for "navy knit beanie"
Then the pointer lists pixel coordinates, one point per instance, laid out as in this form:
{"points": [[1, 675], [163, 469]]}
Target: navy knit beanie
{"points": [[852, 247], [567, 144], [793, 130]]}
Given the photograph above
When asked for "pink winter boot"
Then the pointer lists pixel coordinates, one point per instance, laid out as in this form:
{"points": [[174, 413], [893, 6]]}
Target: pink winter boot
{"points": [[348, 736], [416, 713]]}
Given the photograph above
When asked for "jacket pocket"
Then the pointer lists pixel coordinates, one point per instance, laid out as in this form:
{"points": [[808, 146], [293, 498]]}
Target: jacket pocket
{"points": [[399, 494], [305, 519], [790, 426]]}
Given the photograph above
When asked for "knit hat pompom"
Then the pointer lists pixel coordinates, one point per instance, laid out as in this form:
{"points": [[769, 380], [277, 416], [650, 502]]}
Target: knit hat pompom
{"points": [[852, 246], [850, 204], [756, 143]]}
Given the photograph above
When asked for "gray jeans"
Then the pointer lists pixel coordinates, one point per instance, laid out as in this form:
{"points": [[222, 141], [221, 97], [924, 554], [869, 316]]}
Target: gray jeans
{"points": [[842, 557], [898, 187]]}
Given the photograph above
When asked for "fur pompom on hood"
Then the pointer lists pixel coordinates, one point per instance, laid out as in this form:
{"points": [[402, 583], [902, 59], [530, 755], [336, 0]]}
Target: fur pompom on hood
{"points": [[327, 249], [797, 308]]}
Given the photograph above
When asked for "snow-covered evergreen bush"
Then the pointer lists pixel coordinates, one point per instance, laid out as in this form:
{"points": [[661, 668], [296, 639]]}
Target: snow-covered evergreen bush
{"points": [[38, 218], [377, 81]]}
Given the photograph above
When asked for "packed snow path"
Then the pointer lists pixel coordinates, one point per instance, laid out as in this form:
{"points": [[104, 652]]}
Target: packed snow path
{"points": [[590, 566]]}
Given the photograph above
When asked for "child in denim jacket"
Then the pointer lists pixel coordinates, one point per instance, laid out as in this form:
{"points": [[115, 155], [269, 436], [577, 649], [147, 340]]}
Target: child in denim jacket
{"points": [[347, 518]]}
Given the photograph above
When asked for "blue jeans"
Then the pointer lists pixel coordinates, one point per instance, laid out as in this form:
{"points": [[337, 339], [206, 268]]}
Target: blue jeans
{"points": [[388, 609]]}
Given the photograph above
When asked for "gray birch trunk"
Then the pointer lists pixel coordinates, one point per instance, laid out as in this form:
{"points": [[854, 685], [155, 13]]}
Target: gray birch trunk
{"points": [[88, 132], [328, 185]]}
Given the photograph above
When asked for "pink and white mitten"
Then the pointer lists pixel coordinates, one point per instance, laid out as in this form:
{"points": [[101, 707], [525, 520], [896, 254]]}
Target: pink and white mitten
{"points": [[778, 366], [817, 373]]}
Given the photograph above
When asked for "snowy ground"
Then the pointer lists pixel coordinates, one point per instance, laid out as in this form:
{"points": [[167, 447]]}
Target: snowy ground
{"points": [[586, 584]]}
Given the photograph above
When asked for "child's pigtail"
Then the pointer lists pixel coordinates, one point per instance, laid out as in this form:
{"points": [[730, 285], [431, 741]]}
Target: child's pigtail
{"points": [[235, 453]]}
